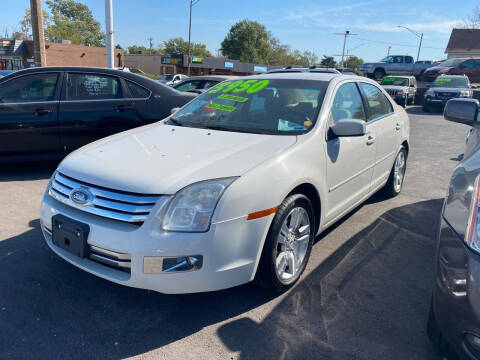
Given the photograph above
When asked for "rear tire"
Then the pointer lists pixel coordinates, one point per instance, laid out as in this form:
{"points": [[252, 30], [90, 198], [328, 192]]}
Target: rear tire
{"points": [[288, 245], [378, 74], [394, 185]]}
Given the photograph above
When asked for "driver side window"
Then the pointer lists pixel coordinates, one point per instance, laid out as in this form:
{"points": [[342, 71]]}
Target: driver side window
{"points": [[348, 104]]}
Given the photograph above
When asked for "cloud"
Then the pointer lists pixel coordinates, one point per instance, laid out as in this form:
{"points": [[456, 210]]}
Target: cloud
{"points": [[440, 27]]}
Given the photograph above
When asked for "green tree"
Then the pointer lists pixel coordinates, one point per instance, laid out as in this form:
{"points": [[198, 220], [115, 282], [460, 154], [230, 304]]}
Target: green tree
{"points": [[26, 25], [247, 41], [328, 61], [74, 21], [354, 62], [136, 49], [180, 46]]}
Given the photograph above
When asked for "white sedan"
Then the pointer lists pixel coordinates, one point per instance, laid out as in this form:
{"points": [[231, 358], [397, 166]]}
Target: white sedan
{"points": [[231, 188]]}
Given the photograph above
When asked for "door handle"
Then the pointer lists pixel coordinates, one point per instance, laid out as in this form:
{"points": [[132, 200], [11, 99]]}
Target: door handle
{"points": [[41, 112], [122, 108], [398, 127], [370, 140]]}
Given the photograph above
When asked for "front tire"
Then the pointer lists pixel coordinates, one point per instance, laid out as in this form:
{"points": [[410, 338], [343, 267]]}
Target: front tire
{"points": [[288, 244], [378, 74], [394, 185]]}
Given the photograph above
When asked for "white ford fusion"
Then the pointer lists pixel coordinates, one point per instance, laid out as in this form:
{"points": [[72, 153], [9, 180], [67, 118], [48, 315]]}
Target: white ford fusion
{"points": [[232, 187]]}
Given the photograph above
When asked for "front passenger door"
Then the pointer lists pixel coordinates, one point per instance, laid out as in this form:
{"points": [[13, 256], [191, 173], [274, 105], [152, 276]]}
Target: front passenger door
{"points": [[350, 160]]}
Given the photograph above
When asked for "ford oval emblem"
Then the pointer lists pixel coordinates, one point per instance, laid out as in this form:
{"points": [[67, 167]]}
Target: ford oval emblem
{"points": [[81, 196]]}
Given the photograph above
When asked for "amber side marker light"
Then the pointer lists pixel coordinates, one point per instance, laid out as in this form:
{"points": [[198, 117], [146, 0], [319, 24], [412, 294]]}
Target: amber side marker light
{"points": [[262, 213]]}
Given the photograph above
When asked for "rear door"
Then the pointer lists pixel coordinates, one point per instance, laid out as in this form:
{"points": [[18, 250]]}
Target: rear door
{"points": [[29, 115], [386, 124], [93, 106], [350, 160], [468, 68]]}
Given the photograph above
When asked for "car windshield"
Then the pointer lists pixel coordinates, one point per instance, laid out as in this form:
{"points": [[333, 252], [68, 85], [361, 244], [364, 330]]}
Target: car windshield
{"points": [[451, 62], [399, 81], [167, 77], [451, 82], [274, 106], [387, 59]]}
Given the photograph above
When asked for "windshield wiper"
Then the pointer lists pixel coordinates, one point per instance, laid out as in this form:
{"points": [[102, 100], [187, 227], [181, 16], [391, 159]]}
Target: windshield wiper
{"points": [[175, 122], [220, 128]]}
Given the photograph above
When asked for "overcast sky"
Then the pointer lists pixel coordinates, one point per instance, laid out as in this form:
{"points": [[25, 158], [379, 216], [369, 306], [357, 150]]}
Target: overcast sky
{"points": [[302, 24]]}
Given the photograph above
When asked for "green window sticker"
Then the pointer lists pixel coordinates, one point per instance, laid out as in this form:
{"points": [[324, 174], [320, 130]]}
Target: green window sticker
{"points": [[221, 107], [248, 86], [233, 98], [440, 80], [389, 79], [257, 87]]}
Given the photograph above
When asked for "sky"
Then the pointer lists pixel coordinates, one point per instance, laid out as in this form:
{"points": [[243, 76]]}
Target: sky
{"points": [[303, 24]]}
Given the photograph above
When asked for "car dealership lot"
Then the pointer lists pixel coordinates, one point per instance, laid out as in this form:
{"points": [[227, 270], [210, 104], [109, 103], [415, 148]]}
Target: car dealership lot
{"points": [[365, 294]]}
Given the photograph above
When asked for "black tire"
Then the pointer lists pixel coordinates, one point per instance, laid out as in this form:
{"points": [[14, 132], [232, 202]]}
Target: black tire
{"points": [[434, 333], [391, 188], [266, 276], [378, 74]]}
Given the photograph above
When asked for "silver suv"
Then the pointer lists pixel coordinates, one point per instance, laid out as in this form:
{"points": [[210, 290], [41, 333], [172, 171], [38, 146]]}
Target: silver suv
{"points": [[402, 89]]}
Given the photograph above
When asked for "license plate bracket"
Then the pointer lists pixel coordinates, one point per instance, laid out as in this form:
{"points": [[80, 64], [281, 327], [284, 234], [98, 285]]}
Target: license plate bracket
{"points": [[70, 235]]}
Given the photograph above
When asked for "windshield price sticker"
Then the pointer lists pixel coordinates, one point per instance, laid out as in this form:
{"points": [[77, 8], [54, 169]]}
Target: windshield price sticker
{"points": [[233, 98], [440, 80], [221, 107], [249, 86], [389, 79]]}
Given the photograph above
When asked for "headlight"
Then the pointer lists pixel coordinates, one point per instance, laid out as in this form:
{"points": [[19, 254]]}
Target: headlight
{"points": [[400, 93], [465, 93], [191, 209], [472, 235]]}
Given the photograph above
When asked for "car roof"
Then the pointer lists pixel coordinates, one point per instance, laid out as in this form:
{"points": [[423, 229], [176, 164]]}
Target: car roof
{"points": [[401, 76], [212, 77], [300, 69], [453, 76], [303, 76]]}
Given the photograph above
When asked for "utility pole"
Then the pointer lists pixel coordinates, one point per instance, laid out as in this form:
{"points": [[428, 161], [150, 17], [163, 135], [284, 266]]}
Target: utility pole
{"points": [[150, 41], [419, 35], [38, 35], [388, 51], [189, 59], [109, 33], [345, 35]]}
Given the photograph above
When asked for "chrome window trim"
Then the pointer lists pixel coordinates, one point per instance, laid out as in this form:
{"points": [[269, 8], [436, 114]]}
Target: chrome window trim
{"points": [[29, 102]]}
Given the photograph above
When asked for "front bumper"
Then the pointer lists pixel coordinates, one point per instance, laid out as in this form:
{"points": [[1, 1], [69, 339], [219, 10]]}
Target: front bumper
{"points": [[230, 250], [456, 298]]}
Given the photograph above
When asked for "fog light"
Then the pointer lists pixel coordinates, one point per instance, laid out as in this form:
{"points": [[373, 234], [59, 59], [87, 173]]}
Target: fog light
{"points": [[159, 264]]}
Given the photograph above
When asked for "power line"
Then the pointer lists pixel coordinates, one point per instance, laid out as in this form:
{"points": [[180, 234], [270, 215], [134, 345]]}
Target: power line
{"points": [[396, 44]]}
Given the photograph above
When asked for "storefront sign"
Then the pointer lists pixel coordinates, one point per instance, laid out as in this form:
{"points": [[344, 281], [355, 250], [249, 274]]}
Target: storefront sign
{"points": [[171, 60], [229, 65], [197, 60], [259, 69], [4, 46]]}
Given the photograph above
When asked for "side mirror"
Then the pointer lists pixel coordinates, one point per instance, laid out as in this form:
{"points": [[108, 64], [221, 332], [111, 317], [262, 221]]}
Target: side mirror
{"points": [[174, 110], [349, 127], [463, 111]]}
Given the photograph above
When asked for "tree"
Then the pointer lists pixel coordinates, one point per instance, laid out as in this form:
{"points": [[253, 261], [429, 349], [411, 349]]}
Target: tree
{"points": [[26, 24], [353, 62], [328, 61], [74, 21], [247, 41], [118, 46], [180, 46], [473, 22], [136, 49]]}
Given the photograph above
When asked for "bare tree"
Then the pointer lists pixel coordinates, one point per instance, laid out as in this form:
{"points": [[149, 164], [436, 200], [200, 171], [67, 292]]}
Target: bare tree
{"points": [[473, 22]]}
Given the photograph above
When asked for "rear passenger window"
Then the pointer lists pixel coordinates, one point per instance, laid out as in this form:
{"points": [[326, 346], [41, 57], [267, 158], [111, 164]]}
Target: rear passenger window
{"points": [[408, 60], [347, 104], [378, 103], [93, 87], [137, 91]]}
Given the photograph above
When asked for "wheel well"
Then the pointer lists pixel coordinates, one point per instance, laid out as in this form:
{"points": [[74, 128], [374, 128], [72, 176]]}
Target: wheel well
{"points": [[311, 192], [405, 145], [379, 69]]}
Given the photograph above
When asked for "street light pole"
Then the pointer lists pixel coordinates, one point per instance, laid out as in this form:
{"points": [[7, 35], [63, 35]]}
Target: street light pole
{"points": [[388, 51], [189, 60], [109, 33], [419, 35], [345, 35]]}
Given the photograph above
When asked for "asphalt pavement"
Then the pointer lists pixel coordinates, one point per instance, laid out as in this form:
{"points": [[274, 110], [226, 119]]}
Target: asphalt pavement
{"points": [[365, 294]]}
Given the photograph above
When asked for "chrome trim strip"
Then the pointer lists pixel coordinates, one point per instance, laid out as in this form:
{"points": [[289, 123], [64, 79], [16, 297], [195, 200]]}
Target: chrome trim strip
{"points": [[108, 261], [113, 254], [108, 194]]}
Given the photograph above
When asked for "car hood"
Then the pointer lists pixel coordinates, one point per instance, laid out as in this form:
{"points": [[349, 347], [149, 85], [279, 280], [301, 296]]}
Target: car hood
{"points": [[435, 69], [395, 87], [162, 159]]}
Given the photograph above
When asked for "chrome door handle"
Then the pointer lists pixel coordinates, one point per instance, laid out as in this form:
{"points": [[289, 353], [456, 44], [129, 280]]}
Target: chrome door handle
{"points": [[370, 140], [398, 127]]}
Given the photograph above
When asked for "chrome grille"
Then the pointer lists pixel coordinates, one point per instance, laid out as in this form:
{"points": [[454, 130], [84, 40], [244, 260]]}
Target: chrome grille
{"points": [[447, 94], [391, 92], [110, 258], [112, 204]]}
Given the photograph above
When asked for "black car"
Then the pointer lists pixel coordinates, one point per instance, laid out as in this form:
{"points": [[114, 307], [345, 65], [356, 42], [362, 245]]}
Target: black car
{"points": [[454, 320], [48, 112], [444, 88], [198, 84]]}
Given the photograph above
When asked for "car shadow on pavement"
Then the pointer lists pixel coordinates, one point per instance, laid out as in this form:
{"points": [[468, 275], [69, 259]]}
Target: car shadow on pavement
{"points": [[27, 170], [418, 110], [369, 300]]}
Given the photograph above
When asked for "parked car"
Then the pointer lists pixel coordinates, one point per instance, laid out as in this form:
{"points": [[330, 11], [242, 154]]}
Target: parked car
{"points": [[454, 320], [444, 88], [171, 79], [4, 73], [312, 69], [461, 66], [395, 65], [402, 89], [48, 112], [231, 188], [199, 84], [347, 71]]}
